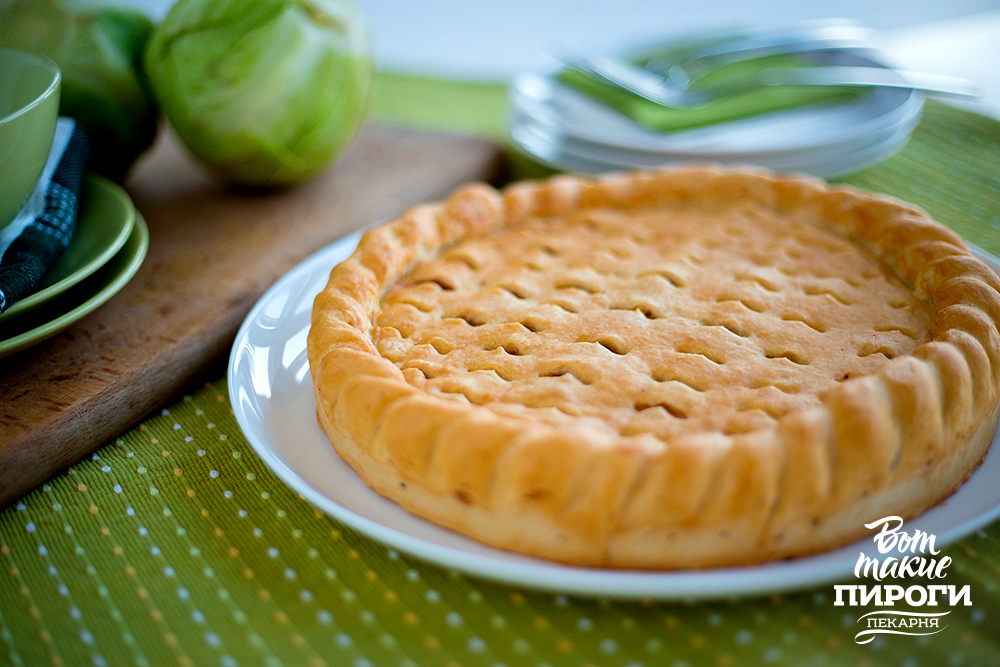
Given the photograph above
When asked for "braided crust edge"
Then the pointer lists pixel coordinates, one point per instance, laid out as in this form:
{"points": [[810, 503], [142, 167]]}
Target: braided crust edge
{"points": [[892, 443]]}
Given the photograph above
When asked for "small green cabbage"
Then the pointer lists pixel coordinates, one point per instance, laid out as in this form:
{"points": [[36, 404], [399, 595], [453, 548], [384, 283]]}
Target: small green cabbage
{"points": [[99, 50], [264, 92]]}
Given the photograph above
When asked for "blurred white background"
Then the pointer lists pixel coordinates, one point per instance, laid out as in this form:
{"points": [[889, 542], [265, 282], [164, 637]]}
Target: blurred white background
{"points": [[493, 39]]}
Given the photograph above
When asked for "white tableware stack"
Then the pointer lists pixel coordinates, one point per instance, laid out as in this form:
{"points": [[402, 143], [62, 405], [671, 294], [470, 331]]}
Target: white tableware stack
{"points": [[564, 128]]}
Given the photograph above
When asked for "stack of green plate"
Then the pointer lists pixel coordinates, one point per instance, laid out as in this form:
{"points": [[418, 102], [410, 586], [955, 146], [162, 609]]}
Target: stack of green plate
{"points": [[108, 246]]}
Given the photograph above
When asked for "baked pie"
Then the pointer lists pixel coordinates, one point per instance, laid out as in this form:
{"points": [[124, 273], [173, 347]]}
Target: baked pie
{"points": [[685, 368]]}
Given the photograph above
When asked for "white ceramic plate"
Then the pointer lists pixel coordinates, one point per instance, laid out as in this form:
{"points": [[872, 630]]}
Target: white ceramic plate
{"points": [[272, 395], [779, 158], [562, 152]]}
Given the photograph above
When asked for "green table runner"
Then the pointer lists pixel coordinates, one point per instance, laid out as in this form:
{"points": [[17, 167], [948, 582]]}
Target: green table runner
{"points": [[175, 545]]}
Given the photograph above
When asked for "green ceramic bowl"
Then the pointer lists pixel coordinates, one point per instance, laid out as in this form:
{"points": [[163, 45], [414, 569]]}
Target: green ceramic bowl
{"points": [[29, 108]]}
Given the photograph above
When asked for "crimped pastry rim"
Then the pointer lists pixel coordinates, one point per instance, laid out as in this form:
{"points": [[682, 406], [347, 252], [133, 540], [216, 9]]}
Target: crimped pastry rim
{"points": [[894, 442]]}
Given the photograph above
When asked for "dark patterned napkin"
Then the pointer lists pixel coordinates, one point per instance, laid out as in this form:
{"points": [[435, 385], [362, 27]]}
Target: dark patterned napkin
{"points": [[44, 240]]}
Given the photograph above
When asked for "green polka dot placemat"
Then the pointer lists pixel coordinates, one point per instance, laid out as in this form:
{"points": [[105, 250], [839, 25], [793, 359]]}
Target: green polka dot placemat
{"points": [[175, 545]]}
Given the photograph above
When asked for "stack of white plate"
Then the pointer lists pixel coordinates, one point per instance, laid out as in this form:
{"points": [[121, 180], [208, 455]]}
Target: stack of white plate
{"points": [[566, 129]]}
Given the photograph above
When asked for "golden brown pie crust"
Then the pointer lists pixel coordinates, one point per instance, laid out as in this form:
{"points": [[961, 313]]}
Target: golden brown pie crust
{"points": [[685, 368]]}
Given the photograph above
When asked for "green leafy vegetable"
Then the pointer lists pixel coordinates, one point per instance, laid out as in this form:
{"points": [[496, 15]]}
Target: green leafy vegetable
{"points": [[264, 92]]}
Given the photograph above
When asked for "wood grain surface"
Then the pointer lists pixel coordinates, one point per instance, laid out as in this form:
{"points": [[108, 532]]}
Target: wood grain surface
{"points": [[213, 252]]}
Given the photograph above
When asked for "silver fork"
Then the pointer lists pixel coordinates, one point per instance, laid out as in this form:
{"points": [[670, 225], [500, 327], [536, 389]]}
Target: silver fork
{"points": [[805, 37], [652, 87]]}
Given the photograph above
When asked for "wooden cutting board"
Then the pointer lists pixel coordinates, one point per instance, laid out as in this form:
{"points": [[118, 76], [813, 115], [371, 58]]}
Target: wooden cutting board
{"points": [[213, 251]]}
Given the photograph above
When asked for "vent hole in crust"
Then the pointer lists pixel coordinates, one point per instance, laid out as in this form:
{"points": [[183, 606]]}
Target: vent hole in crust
{"points": [[422, 307], [454, 394], [440, 346], [783, 388], [472, 319], [731, 327], [909, 333], [669, 276], [568, 307], [763, 282], [647, 310], [702, 353], [813, 290], [576, 285], [749, 305], [672, 410], [610, 344], [790, 356], [566, 410], [465, 259], [884, 351], [516, 290], [669, 376], [736, 330], [769, 410], [427, 370], [738, 429], [443, 283], [503, 376], [561, 371], [532, 325], [512, 349], [815, 326]]}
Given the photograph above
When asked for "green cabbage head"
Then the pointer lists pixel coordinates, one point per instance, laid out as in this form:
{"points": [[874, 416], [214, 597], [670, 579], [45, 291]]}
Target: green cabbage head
{"points": [[264, 92]]}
